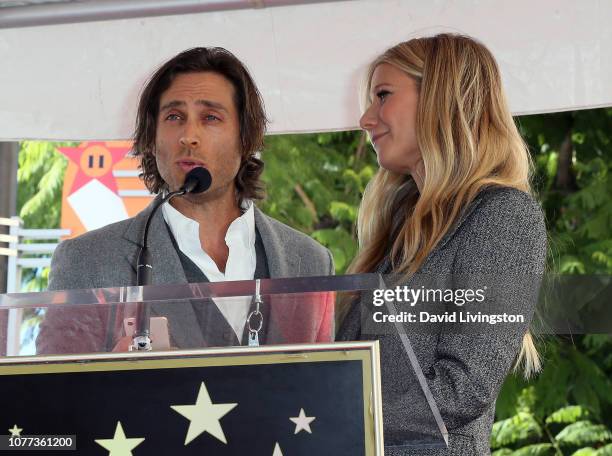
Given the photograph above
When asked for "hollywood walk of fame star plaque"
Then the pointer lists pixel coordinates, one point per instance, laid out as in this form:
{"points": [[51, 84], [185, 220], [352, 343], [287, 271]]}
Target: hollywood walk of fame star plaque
{"points": [[268, 400]]}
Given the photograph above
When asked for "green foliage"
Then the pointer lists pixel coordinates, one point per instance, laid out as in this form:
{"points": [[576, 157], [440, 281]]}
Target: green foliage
{"points": [[569, 414], [583, 433], [502, 452], [604, 451], [536, 449], [571, 399], [588, 451], [520, 427], [518, 435], [40, 178], [36, 280], [572, 374], [579, 210], [315, 182]]}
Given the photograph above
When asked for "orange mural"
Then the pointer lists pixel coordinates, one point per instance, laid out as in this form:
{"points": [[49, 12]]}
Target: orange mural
{"points": [[101, 186]]}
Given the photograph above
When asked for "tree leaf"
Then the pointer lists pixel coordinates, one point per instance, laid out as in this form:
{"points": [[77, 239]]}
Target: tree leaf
{"points": [[569, 414], [604, 451], [502, 452], [584, 433], [536, 449], [588, 451], [519, 428]]}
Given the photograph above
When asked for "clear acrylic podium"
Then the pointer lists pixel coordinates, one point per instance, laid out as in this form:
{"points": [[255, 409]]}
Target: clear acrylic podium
{"points": [[292, 315]]}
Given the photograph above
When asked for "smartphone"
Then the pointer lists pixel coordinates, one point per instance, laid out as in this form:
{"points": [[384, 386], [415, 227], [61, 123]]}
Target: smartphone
{"points": [[160, 338]]}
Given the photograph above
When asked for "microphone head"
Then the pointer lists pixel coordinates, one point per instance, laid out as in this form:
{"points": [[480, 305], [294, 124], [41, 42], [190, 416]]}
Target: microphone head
{"points": [[197, 180]]}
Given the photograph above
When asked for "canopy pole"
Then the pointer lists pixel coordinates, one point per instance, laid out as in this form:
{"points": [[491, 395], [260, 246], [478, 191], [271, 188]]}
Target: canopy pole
{"points": [[106, 10]]}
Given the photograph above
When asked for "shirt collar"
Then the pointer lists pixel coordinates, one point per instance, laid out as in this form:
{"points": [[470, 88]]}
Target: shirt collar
{"points": [[186, 231], [243, 228]]}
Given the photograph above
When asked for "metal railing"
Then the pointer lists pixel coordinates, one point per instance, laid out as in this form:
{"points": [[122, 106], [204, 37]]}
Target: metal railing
{"points": [[23, 250]]}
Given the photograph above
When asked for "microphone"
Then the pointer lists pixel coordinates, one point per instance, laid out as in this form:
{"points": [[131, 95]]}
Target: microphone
{"points": [[197, 180]]}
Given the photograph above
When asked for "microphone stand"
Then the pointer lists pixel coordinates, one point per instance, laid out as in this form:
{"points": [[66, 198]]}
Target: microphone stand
{"points": [[198, 180], [142, 340]]}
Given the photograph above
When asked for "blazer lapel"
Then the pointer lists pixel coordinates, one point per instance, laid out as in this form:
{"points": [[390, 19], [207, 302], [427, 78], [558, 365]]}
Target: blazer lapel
{"points": [[282, 262], [166, 263], [167, 269]]}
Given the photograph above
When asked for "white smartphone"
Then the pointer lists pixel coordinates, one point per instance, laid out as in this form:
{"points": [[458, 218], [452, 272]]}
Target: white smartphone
{"points": [[160, 338]]}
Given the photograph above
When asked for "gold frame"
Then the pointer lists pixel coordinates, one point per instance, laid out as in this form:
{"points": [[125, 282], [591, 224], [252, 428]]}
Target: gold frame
{"points": [[367, 352]]}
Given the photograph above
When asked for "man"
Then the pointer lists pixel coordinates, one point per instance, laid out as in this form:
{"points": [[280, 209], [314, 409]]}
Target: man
{"points": [[201, 108]]}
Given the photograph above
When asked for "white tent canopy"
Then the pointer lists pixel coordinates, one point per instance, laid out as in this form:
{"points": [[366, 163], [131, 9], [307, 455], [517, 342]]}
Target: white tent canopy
{"points": [[81, 81]]}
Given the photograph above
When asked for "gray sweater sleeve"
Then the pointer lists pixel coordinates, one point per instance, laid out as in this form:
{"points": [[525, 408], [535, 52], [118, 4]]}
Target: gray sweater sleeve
{"points": [[503, 241]]}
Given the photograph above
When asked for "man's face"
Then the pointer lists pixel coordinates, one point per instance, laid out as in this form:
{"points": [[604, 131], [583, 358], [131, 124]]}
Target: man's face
{"points": [[198, 125]]}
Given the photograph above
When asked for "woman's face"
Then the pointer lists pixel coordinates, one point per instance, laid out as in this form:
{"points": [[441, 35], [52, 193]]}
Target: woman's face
{"points": [[391, 119]]}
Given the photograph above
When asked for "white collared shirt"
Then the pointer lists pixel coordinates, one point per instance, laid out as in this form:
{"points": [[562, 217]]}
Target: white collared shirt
{"points": [[241, 261]]}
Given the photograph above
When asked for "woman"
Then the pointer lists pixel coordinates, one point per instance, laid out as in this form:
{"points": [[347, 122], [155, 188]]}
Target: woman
{"points": [[452, 196]]}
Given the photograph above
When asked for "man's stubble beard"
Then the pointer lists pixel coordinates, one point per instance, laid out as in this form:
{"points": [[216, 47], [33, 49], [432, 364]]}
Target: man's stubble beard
{"points": [[212, 195]]}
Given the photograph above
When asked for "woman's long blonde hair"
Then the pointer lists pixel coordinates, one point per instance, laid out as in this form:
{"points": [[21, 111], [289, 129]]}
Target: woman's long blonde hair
{"points": [[468, 140]]}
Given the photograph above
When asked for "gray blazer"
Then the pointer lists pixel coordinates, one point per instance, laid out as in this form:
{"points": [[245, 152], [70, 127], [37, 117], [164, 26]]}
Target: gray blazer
{"points": [[106, 257], [502, 232]]}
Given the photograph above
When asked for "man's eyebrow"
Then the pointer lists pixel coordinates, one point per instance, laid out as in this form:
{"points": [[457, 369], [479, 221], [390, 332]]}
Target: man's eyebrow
{"points": [[207, 103], [211, 104], [172, 104]]}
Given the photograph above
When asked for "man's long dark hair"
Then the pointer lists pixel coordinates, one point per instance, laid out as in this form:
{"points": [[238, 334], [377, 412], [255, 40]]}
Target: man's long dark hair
{"points": [[249, 105]]}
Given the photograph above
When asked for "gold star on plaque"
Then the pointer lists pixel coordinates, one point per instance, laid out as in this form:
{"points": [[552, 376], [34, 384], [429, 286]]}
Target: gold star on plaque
{"points": [[302, 422], [204, 416], [119, 445], [15, 432]]}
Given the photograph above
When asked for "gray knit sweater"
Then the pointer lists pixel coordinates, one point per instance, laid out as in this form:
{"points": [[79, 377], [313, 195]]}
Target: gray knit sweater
{"points": [[501, 233]]}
